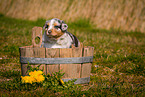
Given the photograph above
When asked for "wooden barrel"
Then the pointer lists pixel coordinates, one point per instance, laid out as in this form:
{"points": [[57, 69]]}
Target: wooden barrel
{"points": [[74, 62]]}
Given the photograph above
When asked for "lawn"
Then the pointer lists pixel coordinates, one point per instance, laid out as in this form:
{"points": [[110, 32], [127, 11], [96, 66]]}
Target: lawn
{"points": [[118, 68]]}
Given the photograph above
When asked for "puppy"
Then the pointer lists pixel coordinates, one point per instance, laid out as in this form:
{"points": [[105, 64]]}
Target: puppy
{"points": [[56, 35]]}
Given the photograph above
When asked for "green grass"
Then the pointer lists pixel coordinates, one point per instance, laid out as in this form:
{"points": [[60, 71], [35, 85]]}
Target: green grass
{"points": [[118, 67]]}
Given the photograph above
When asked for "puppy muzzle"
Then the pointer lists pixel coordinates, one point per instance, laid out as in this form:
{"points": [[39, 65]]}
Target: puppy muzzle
{"points": [[48, 32]]}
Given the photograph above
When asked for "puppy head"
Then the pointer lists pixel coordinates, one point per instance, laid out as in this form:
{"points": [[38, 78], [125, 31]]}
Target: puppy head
{"points": [[55, 28]]}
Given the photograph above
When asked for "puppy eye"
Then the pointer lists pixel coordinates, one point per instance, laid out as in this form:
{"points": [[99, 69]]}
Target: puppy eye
{"points": [[47, 26], [56, 27]]}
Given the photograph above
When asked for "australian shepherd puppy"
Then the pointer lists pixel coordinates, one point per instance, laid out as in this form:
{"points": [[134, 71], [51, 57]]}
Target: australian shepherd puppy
{"points": [[57, 36]]}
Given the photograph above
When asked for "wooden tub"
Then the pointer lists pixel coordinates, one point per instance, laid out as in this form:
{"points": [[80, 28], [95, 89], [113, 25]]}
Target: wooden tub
{"points": [[74, 62]]}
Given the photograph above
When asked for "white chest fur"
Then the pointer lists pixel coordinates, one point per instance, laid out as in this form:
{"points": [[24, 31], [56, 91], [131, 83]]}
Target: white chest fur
{"points": [[64, 41]]}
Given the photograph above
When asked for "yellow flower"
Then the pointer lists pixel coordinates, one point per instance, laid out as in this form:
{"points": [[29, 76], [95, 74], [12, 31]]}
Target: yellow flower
{"points": [[31, 73], [61, 81], [39, 78], [32, 79], [39, 72], [35, 73], [27, 79], [36, 76]]}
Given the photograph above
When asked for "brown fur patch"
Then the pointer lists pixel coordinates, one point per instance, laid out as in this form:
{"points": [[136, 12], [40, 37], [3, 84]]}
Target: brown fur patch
{"points": [[55, 24], [56, 33], [47, 23]]}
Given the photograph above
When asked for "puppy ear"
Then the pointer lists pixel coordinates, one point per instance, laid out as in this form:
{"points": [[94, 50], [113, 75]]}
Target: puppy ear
{"points": [[64, 26], [45, 25]]}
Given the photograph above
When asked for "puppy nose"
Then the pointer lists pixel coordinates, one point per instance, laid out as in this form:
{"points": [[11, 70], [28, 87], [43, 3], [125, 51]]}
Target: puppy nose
{"points": [[49, 31]]}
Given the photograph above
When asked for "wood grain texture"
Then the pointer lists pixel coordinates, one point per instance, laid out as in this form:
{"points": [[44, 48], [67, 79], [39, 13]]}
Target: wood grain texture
{"points": [[52, 53], [32, 52], [86, 67], [36, 32], [66, 68], [71, 70], [77, 52], [39, 53], [25, 52]]}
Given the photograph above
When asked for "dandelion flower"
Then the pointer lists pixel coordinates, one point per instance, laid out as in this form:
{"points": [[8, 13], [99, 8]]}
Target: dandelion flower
{"points": [[34, 76], [39, 78], [27, 79]]}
